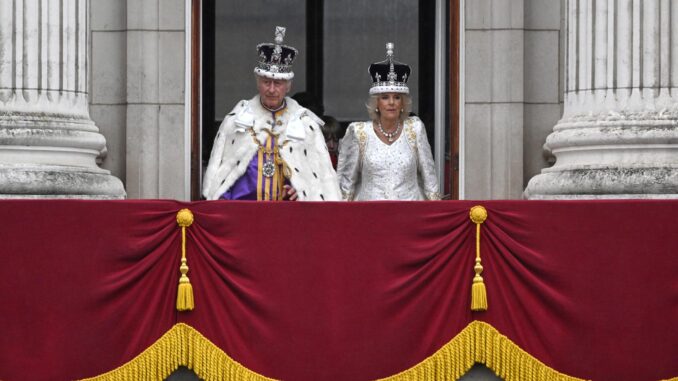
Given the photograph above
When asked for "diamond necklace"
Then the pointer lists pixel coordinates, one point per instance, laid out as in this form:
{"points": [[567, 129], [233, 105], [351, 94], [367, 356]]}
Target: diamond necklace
{"points": [[390, 135]]}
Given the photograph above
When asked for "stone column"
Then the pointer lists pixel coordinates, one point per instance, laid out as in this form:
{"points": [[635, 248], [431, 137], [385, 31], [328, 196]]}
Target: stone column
{"points": [[618, 137], [48, 143], [494, 99]]}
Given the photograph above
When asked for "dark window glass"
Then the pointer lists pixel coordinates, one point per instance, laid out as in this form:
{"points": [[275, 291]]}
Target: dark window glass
{"points": [[239, 25], [355, 35]]}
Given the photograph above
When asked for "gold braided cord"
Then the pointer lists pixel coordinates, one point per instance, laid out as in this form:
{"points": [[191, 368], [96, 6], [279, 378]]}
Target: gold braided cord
{"points": [[260, 175], [478, 215], [479, 342], [185, 301], [181, 345], [267, 180], [478, 241], [282, 170]]}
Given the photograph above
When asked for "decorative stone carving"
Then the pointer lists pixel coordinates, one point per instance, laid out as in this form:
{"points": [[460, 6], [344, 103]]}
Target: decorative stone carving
{"points": [[618, 137], [48, 143]]}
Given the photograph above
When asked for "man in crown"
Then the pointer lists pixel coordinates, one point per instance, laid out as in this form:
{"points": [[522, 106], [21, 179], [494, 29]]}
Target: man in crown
{"points": [[269, 147]]}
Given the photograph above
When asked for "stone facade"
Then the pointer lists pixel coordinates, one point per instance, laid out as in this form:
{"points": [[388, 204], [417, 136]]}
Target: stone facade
{"points": [[49, 146], [512, 93], [619, 132], [137, 93]]}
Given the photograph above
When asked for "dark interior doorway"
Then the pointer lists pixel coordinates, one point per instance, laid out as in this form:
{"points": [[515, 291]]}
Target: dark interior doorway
{"points": [[338, 40]]}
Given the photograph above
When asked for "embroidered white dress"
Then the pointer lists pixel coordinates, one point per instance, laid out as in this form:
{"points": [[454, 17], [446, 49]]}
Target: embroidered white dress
{"points": [[370, 169]]}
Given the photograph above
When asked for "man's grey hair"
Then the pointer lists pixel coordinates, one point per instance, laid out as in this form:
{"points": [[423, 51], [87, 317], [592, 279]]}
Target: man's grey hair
{"points": [[371, 105]]}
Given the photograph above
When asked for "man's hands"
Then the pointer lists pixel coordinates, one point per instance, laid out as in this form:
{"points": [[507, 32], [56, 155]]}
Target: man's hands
{"points": [[289, 193]]}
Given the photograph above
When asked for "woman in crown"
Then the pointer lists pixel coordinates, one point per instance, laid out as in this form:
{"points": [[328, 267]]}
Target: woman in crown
{"points": [[388, 157]]}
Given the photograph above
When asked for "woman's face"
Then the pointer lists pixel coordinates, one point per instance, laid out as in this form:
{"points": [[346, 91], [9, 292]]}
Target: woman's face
{"points": [[389, 105]]}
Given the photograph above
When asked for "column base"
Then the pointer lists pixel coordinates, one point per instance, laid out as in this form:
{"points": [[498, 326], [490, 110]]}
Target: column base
{"points": [[44, 181], [604, 183]]}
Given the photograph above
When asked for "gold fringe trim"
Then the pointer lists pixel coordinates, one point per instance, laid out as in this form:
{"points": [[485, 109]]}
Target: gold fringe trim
{"points": [[181, 345], [479, 342]]}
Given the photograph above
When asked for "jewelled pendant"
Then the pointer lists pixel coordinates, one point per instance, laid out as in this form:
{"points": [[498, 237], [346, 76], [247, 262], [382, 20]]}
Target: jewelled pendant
{"points": [[269, 169]]}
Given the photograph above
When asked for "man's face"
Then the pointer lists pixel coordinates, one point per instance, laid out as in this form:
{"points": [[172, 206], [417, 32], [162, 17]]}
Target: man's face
{"points": [[272, 91]]}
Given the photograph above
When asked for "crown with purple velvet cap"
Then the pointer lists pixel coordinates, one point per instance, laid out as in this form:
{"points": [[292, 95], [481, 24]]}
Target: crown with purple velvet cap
{"points": [[275, 59]]}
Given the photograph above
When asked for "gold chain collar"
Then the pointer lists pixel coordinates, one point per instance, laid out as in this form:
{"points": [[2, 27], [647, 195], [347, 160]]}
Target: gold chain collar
{"points": [[278, 160]]}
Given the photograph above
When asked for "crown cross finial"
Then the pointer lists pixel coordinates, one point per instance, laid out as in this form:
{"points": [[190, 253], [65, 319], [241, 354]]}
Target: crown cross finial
{"points": [[279, 34], [389, 49]]}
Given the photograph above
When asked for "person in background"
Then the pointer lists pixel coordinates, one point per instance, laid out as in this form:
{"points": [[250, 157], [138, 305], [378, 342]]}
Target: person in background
{"points": [[269, 147], [387, 157], [333, 133]]}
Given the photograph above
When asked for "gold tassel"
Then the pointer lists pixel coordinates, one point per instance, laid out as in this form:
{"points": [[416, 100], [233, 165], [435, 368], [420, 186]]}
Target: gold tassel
{"points": [[185, 300], [478, 215]]}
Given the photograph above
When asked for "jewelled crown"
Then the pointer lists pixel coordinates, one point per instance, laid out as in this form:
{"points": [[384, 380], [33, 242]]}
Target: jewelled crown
{"points": [[389, 76], [275, 59]]}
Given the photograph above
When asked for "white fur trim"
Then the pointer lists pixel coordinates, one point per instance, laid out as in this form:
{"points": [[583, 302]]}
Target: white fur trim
{"points": [[216, 174], [312, 173], [295, 129], [314, 118], [263, 73], [244, 118], [389, 89]]}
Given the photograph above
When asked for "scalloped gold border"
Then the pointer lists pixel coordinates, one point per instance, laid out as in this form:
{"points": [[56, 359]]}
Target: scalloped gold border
{"points": [[479, 342], [181, 345]]}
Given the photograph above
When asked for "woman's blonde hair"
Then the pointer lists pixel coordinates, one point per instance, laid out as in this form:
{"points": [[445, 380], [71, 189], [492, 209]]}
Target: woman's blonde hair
{"points": [[371, 105]]}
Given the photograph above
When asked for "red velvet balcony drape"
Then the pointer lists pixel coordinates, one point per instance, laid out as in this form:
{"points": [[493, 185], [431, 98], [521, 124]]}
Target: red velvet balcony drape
{"points": [[339, 291]]}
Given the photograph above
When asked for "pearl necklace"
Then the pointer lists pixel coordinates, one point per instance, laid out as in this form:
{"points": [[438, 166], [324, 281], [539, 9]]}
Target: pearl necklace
{"points": [[389, 135]]}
